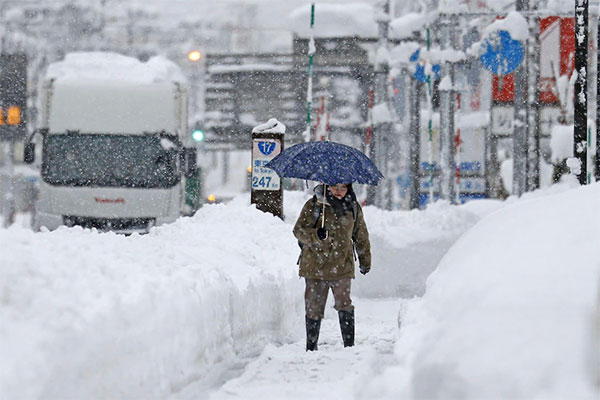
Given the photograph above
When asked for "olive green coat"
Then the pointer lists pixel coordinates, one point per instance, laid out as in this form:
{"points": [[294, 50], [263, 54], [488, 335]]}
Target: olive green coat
{"points": [[332, 258]]}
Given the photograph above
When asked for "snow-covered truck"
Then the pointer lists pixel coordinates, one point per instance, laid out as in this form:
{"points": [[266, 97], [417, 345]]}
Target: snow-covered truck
{"points": [[114, 153]]}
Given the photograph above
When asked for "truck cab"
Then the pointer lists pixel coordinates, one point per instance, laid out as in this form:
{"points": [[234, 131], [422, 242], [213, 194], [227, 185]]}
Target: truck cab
{"points": [[114, 135]]}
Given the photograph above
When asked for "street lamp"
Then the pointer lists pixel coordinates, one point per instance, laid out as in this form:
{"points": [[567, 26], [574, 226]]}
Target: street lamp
{"points": [[194, 55]]}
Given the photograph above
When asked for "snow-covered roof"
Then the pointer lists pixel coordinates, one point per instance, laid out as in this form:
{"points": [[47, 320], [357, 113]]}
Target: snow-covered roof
{"points": [[113, 67], [403, 27], [354, 19], [335, 20]]}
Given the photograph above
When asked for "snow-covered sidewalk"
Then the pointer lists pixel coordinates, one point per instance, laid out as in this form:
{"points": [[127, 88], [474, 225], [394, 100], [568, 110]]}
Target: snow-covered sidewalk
{"points": [[86, 314], [212, 306], [289, 372]]}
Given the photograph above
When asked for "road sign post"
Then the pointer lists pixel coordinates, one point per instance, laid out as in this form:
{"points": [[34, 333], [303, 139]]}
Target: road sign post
{"points": [[266, 189]]}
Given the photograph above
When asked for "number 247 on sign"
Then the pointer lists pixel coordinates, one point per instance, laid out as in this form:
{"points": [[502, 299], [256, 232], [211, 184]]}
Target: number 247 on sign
{"points": [[265, 181]]}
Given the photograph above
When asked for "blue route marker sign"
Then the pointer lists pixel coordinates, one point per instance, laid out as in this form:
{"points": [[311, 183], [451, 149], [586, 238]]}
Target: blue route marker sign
{"points": [[420, 71], [501, 53], [266, 147]]}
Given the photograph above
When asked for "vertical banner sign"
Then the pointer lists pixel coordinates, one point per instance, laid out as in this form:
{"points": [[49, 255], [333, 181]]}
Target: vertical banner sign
{"points": [[13, 96], [557, 47], [263, 151]]}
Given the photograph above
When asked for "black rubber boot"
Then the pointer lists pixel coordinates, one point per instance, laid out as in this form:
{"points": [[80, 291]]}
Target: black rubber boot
{"points": [[347, 327], [312, 333]]}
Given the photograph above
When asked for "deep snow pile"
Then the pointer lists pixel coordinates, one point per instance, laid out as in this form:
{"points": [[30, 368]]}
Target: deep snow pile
{"points": [[512, 310], [84, 313]]}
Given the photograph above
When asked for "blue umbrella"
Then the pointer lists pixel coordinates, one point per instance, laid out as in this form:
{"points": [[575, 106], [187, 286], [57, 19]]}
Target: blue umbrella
{"points": [[327, 162]]}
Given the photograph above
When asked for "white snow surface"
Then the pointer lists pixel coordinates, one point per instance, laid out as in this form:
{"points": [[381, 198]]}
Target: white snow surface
{"points": [[114, 67], [382, 114], [561, 142], [335, 20], [405, 26], [401, 53], [445, 83], [511, 312], [514, 23], [560, 7], [176, 313], [271, 126], [506, 173], [139, 97]]}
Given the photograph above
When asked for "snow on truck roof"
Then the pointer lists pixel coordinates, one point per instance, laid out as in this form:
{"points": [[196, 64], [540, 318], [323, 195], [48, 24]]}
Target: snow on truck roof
{"points": [[113, 67]]}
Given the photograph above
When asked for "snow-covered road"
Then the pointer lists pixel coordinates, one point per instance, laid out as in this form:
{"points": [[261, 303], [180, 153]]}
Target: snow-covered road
{"points": [[289, 372]]}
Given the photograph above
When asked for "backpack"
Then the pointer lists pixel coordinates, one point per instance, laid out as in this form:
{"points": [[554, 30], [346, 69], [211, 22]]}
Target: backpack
{"points": [[317, 214]]}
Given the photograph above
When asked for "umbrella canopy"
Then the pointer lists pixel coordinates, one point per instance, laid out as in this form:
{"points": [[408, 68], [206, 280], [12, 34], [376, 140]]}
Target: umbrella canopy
{"points": [[327, 162]]}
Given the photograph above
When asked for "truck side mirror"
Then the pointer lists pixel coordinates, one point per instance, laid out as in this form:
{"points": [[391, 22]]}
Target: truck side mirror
{"points": [[190, 164], [29, 153]]}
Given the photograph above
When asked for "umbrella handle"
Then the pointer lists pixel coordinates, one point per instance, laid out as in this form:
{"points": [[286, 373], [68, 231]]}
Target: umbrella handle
{"points": [[323, 216]]}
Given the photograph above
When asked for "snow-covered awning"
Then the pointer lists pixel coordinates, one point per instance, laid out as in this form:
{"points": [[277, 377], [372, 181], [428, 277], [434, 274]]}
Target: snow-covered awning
{"points": [[405, 26]]}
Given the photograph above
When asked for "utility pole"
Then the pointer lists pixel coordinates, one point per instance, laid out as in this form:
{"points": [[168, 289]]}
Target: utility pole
{"points": [[382, 129], [533, 105], [8, 203], [447, 94], [520, 125], [414, 110], [311, 53], [598, 104], [580, 111]]}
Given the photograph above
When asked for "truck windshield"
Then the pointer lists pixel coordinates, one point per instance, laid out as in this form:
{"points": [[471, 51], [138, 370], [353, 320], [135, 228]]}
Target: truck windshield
{"points": [[147, 161]]}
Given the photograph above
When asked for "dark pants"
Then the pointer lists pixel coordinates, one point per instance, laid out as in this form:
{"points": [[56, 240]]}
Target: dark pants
{"points": [[315, 296]]}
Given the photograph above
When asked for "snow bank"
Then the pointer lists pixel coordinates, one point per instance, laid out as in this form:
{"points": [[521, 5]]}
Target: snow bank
{"points": [[84, 313], [406, 246], [509, 312], [88, 314]]}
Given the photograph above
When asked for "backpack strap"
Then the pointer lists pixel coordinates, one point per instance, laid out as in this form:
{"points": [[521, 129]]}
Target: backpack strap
{"points": [[355, 214], [316, 211]]}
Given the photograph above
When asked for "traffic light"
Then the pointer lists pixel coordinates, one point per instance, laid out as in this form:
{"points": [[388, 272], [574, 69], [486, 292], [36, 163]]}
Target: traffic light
{"points": [[198, 135]]}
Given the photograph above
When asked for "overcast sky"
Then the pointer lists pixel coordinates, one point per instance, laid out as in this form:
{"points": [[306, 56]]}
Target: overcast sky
{"points": [[271, 13]]}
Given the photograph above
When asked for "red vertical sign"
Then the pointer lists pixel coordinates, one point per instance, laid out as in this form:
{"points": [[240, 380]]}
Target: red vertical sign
{"points": [[557, 49]]}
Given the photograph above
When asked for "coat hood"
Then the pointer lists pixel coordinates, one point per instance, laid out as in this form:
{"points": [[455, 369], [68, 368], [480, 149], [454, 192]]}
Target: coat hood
{"points": [[318, 192], [321, 197]]}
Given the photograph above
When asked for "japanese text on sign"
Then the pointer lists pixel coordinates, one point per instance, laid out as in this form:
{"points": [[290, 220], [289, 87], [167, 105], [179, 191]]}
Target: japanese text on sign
{"points": [[263, 151]]}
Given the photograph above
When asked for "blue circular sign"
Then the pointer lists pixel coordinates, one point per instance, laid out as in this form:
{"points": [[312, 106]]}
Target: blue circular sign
{"points": [[419, 73], [502, 54]]}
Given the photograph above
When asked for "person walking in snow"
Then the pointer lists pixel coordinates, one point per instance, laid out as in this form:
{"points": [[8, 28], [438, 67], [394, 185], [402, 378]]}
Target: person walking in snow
{"points": [[330, 228]]}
